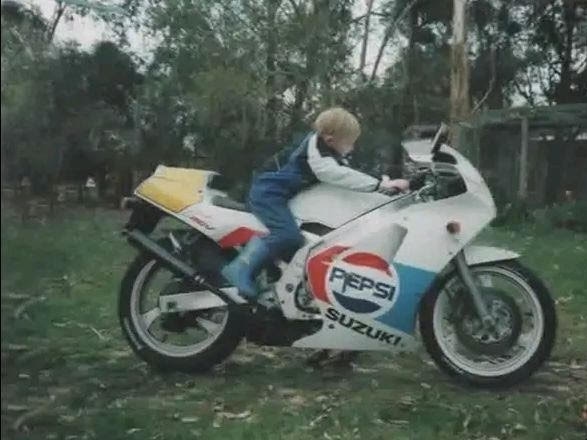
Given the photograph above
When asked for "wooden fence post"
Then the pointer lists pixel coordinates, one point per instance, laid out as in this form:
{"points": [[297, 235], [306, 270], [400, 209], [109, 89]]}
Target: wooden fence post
{"points": [[523, 166]]}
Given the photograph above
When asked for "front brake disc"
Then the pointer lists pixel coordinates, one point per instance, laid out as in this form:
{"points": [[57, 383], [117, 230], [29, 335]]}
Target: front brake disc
{"points": [[499, 338]]}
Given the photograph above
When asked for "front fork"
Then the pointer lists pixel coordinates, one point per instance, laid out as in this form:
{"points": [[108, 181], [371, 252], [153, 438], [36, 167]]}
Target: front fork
{"points": [[467, 278]]}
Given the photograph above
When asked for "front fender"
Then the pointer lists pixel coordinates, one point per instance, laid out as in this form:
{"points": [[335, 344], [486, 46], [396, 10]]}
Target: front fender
{"points": [[487, 254]]}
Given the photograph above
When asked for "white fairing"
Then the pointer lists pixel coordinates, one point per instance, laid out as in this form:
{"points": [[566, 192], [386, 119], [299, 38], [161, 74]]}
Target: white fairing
{"points": [[368, 275], [333, 205], [424, 250], [218, 222]]}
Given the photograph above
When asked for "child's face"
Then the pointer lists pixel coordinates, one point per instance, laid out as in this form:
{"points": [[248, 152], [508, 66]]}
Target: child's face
{"points": [[339, 144]]}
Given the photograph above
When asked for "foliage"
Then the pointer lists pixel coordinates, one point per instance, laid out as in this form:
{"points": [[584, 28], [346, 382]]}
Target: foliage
{"points": [[572, 215], [65, 113], [555, 52], [511, 213], [240, 79], [569, 215]]}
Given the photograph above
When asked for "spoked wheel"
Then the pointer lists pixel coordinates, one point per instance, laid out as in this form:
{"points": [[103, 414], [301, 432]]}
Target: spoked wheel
{"points": [[506, 353], [184, 341]]}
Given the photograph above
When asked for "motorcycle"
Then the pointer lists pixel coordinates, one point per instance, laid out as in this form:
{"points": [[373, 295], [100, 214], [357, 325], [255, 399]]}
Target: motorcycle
{"points": [[378, 272]]}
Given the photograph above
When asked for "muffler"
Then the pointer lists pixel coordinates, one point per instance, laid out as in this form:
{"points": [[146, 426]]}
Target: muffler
{"points": [[143, 242]]}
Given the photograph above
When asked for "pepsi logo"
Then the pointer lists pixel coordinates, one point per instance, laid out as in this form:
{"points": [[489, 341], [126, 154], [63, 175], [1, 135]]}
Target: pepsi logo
{"points": [[362, 283]]}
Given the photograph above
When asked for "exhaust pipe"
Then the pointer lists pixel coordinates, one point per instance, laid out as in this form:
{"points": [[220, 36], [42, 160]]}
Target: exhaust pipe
{"points": [[143, 242]]}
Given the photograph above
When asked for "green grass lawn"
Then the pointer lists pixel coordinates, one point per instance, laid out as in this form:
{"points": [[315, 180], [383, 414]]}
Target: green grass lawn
{"points": [[67, 373]]}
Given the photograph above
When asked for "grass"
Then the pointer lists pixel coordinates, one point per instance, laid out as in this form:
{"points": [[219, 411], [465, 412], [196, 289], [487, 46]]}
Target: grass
{"points": [[68, 374]]}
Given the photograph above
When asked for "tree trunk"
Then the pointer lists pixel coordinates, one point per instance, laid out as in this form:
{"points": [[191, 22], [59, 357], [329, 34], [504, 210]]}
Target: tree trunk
{"points": [[388, 34], [99, 175], [311, 54], [409, 100], [296, 111], [365, 38], [459, 81], [270, 83], [563, 93], [125, 183], [523, 165]]}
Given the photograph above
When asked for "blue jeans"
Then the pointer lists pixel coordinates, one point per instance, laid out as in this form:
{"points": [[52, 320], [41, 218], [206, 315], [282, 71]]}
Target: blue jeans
{"points": [[268, 200]]}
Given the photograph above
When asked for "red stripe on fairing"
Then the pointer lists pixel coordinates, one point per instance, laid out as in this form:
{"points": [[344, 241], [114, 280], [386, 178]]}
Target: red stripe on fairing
{"points": [[369, 260], [238, 237], [317, 269]]}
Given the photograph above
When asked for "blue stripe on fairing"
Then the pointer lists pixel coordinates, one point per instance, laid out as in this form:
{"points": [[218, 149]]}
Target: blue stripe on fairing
{"points": [[413, 283]]}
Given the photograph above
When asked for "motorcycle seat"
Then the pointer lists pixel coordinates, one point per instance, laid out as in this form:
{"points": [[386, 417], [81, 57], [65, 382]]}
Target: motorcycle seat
{"points": [[227, 202], [174, 189]]}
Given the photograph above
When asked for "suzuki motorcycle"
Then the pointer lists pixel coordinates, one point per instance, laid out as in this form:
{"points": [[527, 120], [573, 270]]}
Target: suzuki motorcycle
{"points": [[377, 272]]}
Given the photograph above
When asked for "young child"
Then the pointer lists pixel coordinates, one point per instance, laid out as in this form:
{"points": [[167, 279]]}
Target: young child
{"points": [[321, 156]]}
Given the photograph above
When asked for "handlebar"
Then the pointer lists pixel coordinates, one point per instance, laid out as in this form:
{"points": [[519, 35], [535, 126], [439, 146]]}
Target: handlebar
{"points": [[417, 181]]}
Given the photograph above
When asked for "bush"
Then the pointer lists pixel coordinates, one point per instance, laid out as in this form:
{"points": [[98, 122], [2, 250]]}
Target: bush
{"points": [[512, 213], [571, 216]]}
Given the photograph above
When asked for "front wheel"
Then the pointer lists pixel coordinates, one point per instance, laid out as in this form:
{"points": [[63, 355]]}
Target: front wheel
{"points": [[509, 352]]}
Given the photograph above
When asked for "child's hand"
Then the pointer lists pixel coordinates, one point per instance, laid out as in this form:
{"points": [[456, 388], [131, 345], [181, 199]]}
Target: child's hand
{"points": [[397, 184]]}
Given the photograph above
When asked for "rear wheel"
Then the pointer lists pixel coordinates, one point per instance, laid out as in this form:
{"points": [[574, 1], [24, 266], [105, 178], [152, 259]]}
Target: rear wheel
{"points": [[188, 341], [517, 345]]}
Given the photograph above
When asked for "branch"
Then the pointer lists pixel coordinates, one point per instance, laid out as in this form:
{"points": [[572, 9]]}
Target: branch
{"points": [[388, 33], [296, 8], [546, 84], [366, 36], [359, 18], [60, 9], [530, 91], [529, 98], [24, 44], [375, 13], [25, 305], [227, 9], [491, 83]]}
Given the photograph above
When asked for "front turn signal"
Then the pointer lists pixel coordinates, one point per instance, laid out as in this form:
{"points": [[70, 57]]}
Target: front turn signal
{"points": [[453, 227]]}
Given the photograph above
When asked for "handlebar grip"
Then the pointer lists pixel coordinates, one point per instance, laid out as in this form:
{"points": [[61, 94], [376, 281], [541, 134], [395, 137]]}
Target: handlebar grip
{"points": [[417, 181]]}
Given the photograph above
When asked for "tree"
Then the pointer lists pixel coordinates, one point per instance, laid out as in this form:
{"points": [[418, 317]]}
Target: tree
{"points": [[496, 40], [23, 57], [459, 62], [59, 105], [239, 79], [556, 65], [247, 72], [70, 8]]}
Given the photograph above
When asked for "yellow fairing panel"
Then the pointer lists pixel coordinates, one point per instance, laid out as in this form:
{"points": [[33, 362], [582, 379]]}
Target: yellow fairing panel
{"points": [[174, 188]]}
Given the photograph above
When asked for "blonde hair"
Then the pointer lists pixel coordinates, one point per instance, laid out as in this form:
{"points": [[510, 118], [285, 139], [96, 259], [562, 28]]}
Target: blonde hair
{"points": [[339, 123]]}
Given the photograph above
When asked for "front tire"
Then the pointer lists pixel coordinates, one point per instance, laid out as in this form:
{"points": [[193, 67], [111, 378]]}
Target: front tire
{"points": [[490, 361], [137, 326]]}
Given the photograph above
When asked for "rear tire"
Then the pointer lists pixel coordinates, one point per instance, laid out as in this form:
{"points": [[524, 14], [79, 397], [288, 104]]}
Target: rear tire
{"points": [[217, 351], [522, 372]]}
